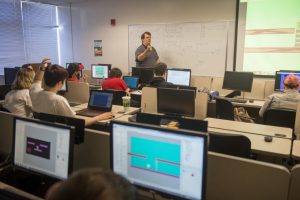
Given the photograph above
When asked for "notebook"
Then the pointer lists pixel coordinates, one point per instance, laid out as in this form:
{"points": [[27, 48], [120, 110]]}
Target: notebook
{"points": [[99, 102], [132, 82]]}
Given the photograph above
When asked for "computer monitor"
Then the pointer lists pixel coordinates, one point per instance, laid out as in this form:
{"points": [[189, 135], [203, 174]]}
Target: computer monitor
{"points": [[240, 81], [145, 74], [179, 76], [280, 76], [183, 123], [167, 161], [77, 123], [176, 102], [10, 75], [100, 71], [43, 148], [131, 81]]}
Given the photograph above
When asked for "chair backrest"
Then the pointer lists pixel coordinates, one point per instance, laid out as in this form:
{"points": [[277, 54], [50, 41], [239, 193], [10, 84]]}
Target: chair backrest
{"points": [[280, 117], [149, 100], [234, 178], [297, 125], [294, 192], [201, 103], [235, 145], [78, 92], [4, 89], [6, 136], [118, 94], [224, 109]]}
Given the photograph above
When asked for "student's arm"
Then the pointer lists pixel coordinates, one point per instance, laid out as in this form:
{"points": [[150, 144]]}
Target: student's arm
{"points": [[104, 116], [127, 92], [40, 72]]}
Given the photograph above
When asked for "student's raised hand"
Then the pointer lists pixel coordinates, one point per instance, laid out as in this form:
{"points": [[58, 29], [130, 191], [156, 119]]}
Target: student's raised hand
{"points": [[44, 63]]}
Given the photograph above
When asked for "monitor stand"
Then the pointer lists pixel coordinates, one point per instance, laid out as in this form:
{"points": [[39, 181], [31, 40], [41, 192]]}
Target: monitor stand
{"points": [[234, 94]]}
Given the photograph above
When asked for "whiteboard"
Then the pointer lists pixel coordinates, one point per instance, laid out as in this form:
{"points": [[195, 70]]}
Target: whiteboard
{"points": [[199, 46]]}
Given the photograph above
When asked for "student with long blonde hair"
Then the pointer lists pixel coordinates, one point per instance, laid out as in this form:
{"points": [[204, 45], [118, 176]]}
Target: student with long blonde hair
{"points": [[18, 101]]}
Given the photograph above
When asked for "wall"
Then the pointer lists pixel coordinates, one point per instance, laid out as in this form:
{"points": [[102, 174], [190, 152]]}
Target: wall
{"points": [[91, 21]]}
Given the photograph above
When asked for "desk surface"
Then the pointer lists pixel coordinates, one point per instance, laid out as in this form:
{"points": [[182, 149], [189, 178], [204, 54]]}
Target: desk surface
{"points": [[254, 104], [18, 191], [296, 149], [258, 129], [116, 110], [278, 147]]}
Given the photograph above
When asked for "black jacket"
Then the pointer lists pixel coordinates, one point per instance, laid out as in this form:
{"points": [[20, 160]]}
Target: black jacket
{"points": [[160, 82]]}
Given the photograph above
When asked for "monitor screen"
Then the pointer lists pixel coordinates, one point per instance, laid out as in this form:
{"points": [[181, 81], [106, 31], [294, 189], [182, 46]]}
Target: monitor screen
{"points": [[241, 81], [101, 100], [171, 162], [131, 81], [280, 76], [179, 76], [77, 123], [145, 74], [176, 102], [42, 147], [10, 75], [100, 71]]}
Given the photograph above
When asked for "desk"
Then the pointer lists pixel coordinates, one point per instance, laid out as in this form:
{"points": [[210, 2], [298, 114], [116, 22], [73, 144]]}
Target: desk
{"points": [[116, 109], [280, 147], [18, 191], [252, 109], [296, 149], [255, 104], [258, 129]]}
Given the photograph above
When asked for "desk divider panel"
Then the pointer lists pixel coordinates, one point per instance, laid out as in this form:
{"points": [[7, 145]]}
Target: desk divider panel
{"points": [[234, 178]]}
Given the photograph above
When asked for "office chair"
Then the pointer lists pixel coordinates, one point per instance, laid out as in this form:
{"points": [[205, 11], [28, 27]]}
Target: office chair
{"points": [[4, 89], [3, 109], [118, 94], [280, 117], [235, 145], [224, 109]]}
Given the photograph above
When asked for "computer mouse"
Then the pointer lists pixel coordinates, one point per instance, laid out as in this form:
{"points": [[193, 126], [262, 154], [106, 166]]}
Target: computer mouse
{"points": [[268, 138], [251, 100]]}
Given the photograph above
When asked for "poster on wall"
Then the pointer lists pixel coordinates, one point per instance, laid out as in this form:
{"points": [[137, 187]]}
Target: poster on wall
{"points": [[98, 47]]}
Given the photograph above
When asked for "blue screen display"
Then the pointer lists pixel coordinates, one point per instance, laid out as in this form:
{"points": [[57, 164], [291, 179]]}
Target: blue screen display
{"points": [[131, 81], [100, 99]]}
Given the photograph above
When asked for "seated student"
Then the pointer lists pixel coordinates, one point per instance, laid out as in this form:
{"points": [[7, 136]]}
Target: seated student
{"points": [[287, 100], [115, 82], [47, 101], [74, 70], [18, 101], [93, 184], [159, 79]]}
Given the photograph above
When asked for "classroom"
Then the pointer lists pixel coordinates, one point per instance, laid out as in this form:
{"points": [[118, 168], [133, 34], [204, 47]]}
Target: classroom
{"points": [[222, 123]]}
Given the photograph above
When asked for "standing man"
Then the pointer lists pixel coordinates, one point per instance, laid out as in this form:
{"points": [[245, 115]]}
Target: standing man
{"points": [[146, 55]]}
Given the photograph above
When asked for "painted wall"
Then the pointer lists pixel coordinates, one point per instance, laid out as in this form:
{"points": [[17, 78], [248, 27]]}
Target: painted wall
{"points": [[91, 21]]}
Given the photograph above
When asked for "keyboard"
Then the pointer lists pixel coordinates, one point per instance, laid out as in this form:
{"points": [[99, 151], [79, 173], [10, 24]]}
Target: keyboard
{"points": [[237, 100]]}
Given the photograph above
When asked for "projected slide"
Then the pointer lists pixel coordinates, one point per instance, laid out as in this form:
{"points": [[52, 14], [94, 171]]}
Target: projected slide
{"points": [[157, 157], [272, 35]]}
